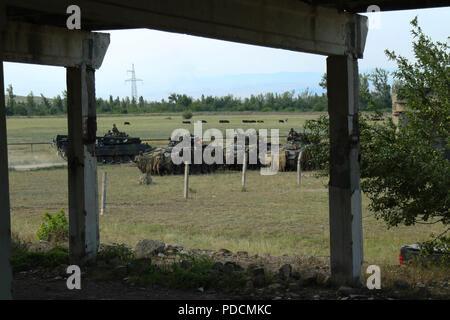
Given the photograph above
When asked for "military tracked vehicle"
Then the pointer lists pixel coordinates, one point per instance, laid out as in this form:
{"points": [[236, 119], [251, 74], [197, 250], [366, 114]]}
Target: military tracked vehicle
{"points": [[297, 143], [113, 147], [158, 161]]}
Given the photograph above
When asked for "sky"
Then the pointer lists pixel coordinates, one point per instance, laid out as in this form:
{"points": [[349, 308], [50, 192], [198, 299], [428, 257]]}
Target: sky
{"points": [[170, 62]]}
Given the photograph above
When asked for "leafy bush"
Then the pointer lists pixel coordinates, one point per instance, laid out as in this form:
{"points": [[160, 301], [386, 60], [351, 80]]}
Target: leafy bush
{"points": [[405, 170], [54, 228], [187, 115], [436, 246], [319, 148]]}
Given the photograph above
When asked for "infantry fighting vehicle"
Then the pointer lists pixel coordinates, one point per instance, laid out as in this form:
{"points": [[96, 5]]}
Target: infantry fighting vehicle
{"points": [[296, 146], [297, 143], [158, 161], [113, 147]]}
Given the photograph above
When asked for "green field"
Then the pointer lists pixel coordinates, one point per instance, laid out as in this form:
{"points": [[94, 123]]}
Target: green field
{"points": [[275, 215], [44, 129]]}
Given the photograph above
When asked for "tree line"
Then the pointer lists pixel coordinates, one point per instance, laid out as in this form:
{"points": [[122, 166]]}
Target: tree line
{"points": [[374, 87]]}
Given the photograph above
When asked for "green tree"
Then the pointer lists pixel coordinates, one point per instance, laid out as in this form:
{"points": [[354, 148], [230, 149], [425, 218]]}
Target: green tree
{"points": [[58, 104], [64, 100], [173, 97], [184, 101], [30, 104], [323, 82], [10, 103], [382, 99], [405, 170], [364, 92], [141, 102], [46, 106], [369, 100]]}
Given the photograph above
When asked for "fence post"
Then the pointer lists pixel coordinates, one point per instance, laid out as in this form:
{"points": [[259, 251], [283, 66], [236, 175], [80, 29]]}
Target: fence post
{"points": [[244, 169], [299, 169], [103, 204], [186, 180]]}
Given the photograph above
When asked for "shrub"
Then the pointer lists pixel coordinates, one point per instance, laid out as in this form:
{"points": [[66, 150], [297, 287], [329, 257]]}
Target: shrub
{"points": [[436, 251], [187, 115], [54, 228]]}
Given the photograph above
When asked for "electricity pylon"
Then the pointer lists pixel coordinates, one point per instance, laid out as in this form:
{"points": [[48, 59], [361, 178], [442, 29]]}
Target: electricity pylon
{"points": [[133, 81]]}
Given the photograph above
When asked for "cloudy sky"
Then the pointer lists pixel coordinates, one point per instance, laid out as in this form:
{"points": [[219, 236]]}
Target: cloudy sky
{"points": [[169, 62]]}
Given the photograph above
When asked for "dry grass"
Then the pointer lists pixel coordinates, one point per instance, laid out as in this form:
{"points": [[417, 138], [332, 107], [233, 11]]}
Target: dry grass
{"points": [[432, 276], [274, 215]]}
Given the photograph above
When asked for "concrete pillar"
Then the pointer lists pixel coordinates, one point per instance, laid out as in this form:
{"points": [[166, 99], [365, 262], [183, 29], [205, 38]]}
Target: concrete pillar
{"points": [[82, 165], [346, 242], [5, 218]]}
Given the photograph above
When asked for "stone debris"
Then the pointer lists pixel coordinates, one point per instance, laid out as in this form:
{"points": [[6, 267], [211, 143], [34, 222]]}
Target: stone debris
{"points": [[263, 277], [285, 272], [225, 252], [148, 248]]}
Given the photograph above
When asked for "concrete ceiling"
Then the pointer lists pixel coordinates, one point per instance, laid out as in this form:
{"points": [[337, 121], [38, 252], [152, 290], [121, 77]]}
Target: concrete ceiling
{"points": [[103, 14], [360, 6]]}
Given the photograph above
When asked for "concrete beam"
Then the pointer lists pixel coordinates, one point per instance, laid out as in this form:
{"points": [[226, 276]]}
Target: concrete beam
{"points": [[286, 24], [385, 5], [82, 165], [346, 242], [5, 218], [42, 44]]}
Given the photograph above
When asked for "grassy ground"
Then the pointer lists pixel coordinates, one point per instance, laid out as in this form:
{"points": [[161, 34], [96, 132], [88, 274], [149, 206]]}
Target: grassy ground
{"points": [[44, 129], [27, 155], [24, 129], [274, 215]]}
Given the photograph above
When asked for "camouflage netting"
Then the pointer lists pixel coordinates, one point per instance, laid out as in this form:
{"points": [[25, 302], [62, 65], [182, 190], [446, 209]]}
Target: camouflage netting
{"points": [[155, 163], [159, 161]]}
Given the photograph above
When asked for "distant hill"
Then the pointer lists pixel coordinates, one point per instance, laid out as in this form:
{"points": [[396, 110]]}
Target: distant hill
{"points": [[243, 85]]}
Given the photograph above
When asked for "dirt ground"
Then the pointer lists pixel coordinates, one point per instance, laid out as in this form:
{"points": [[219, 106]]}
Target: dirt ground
{"points": [[29, 286]]}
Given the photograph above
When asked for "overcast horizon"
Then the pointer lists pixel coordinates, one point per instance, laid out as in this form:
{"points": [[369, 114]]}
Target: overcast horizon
{"points": [[170, 62]]}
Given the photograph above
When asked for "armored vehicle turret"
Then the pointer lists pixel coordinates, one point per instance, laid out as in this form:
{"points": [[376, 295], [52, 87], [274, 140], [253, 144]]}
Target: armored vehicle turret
{"points": [[113, 147]]}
